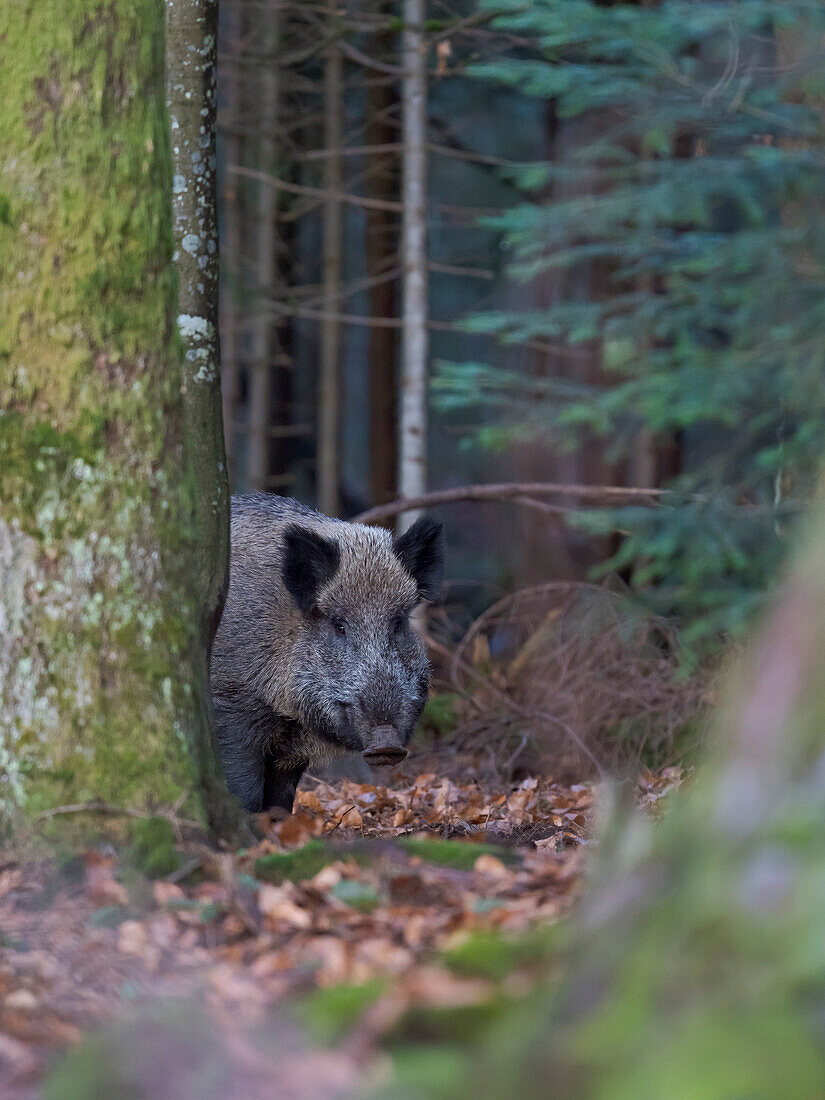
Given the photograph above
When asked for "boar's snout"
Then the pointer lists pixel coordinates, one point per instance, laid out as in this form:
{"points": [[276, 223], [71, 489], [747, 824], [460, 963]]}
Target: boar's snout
{"points": [[384, 746]]}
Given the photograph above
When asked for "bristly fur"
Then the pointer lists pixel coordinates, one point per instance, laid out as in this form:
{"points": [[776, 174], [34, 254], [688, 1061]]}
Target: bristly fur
{"points": [[420, 552], [314, 649], [310, 562]]}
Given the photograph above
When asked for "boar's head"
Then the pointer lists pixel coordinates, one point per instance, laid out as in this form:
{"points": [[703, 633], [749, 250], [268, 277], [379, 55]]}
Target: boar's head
{"points": [[359, 674]]}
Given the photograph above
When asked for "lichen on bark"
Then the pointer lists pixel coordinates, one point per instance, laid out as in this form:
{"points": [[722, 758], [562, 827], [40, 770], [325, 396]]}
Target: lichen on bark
{"points": [[101, 612], [191, 68]]}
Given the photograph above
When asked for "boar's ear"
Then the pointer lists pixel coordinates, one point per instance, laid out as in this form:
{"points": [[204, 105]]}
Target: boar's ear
{"points": [[310, 561], [421, 551]]}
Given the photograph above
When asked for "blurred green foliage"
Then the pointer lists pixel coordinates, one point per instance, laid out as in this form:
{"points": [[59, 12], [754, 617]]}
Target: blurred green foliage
{"points": [[694, 968], [328, 1014], [358, 895], [439, 714], [693, 185], [489, 954], [153, 847]]}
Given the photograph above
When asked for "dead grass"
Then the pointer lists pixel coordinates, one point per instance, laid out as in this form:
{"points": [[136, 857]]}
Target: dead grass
{"points": [[574, 679]]}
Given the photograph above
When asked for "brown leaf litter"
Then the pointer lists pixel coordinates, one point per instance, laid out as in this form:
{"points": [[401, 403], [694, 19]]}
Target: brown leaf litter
{"points": [[78, 948]]}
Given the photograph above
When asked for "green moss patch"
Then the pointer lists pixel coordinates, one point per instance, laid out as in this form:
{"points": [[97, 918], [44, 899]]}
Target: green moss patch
{"points": [[461, 855], [488, 954], [303, 863], [153, 847], [328, 1014]]}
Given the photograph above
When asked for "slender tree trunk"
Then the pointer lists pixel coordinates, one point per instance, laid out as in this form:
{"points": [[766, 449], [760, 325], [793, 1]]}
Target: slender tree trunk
{"points": [[381, 255], [328, 389], [191, 71], [413, 419], [264, 241], [231, 250], [112, 534]]}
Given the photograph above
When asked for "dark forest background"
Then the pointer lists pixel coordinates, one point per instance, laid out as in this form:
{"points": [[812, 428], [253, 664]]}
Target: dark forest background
{"points": [[624, 248]]}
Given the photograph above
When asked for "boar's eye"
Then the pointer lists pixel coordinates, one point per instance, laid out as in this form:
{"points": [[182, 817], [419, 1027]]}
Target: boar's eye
{"points": [[398, 624], [340, 627]]}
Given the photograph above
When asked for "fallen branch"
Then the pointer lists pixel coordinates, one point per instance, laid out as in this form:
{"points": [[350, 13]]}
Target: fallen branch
{"points": [[98, 807], [517, 493], [338, 823]]}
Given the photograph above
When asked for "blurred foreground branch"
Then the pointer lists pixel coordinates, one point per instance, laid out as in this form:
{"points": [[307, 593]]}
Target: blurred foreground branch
{"points": [[695, 967]]}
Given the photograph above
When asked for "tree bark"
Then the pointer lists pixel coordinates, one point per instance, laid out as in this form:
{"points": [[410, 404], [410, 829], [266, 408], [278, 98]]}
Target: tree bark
{"points": [[191, 70], [231, 241], [381, 255], [113, 528], [413, 419], [328, 388], [263, 349]]}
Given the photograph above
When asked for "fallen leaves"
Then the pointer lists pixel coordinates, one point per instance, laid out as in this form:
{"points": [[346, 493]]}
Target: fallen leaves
{"points": [[280, 909], [361, 884], [431, 801], [100, 883]]}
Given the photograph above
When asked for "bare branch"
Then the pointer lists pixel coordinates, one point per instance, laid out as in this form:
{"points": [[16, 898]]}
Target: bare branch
{"points": [[368, 62], [315, 192], [354, 200], [459, 269], [352, 151], [96, 806], [517, 492]]}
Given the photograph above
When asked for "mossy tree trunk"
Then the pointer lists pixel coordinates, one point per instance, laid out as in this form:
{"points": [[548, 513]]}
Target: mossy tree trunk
{"points": [[113, 529]]}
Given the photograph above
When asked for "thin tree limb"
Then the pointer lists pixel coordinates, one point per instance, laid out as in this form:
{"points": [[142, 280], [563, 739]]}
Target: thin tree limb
{"points": [[520, 492], [328, 390]]}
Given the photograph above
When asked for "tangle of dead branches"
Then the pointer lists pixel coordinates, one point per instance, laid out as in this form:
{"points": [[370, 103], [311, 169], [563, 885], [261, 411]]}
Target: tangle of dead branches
{"points": [[576, 674]]}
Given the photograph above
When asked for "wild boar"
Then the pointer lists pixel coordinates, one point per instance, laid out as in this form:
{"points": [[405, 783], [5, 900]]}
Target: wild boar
{"points": [[315, 654]]}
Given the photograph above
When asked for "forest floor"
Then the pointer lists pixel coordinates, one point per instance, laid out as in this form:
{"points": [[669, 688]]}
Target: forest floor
{"points": [[355, 922]]}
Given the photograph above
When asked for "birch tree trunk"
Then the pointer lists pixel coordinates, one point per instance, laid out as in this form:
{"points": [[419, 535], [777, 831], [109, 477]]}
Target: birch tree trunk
{"points": [[262, 351], [381, 255], [231, 247], [191, 73], [113, 524], [328, 388], [413, 413]]}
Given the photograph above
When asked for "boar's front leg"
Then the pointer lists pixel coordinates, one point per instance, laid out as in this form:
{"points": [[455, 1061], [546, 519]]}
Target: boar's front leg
{"points": [[244, 771], [244, 729], [280, 784]]}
